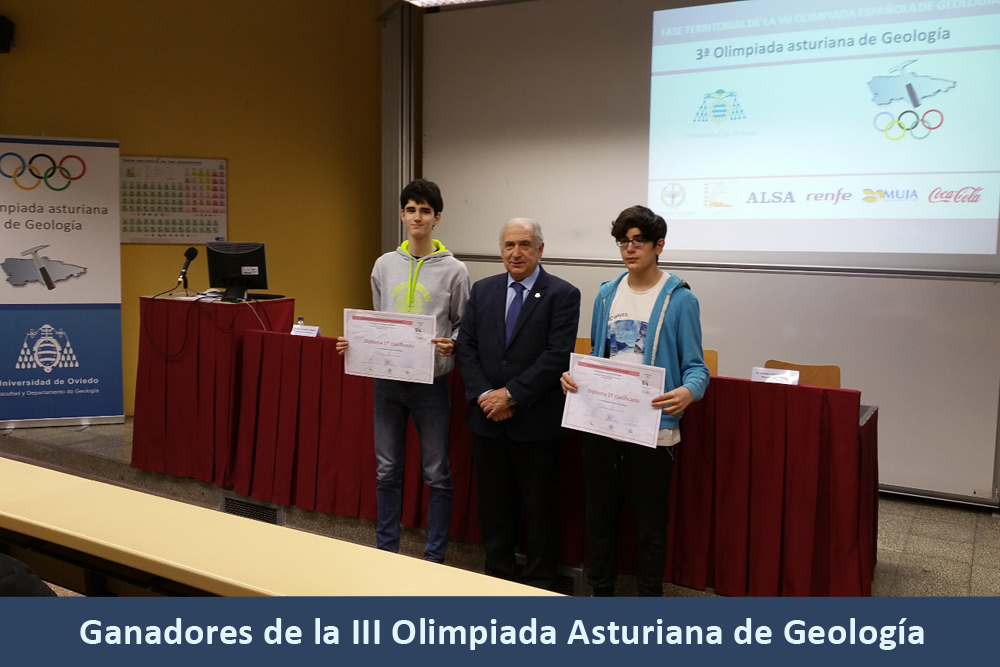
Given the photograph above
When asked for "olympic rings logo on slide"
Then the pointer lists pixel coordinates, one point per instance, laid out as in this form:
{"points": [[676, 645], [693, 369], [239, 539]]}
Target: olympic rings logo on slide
{"points": [[895, 128], [52, 174]]}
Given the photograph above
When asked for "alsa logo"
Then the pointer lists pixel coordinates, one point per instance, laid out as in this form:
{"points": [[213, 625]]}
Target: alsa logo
{"points": [[776, 197], [967, 195]]}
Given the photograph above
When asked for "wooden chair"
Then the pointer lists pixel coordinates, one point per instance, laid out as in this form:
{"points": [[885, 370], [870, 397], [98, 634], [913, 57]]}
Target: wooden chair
{"points": [[818, 375], [712, 361]]}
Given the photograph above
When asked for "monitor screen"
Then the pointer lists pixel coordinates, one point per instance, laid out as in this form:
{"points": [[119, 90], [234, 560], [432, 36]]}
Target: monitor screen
{"points": [[236, 267]]}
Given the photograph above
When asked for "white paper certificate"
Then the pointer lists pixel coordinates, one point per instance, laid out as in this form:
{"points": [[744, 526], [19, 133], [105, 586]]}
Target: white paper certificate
{"points": [[392, 346], [613, 399]]}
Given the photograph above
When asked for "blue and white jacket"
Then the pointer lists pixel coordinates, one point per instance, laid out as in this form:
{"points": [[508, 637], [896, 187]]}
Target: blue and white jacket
{"points": [[676, 342]]}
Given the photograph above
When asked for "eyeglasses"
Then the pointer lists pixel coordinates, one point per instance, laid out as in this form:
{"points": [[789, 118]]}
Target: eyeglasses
{"points": [[637, 242]]}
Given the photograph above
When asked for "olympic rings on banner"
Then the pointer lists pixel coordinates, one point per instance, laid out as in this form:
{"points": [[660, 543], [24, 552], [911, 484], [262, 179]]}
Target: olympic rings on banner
{"points": [[29, 168], [882, 127], [65, 173], [916, 119], [896, 128], [899, 136], [5, 174], [923, 119], [34, 172], [927, 132]]}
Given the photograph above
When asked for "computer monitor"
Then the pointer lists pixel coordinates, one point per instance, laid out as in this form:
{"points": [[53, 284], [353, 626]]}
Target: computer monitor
{"points": [[236, 267]]}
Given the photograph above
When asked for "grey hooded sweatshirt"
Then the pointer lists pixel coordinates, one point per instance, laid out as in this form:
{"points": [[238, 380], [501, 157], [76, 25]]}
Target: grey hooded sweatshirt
{"points": [[436, 285]]}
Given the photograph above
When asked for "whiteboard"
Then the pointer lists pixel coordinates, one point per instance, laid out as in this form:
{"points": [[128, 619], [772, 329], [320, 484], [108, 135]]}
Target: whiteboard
{"points": [[517, 123]]}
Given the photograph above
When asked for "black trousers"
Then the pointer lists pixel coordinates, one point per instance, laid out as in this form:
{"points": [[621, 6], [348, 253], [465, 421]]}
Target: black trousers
{"points": [[616, 472], [515, 479]]}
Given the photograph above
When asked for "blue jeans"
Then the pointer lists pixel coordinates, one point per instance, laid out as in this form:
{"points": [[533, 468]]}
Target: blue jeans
{"points": [[430, 408]]}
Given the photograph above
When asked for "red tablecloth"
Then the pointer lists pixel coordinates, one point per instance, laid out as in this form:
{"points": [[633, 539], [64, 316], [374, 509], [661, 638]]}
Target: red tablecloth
{"points": [[187, 384], [775, 490]]}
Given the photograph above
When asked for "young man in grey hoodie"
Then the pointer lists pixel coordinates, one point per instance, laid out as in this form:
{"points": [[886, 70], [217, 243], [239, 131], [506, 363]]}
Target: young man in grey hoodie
{"points": [[421, 276]]}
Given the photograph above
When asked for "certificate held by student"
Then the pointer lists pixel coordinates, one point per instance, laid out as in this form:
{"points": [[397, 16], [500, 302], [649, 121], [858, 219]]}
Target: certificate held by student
{"points": [[391, 346], [613, 399]]}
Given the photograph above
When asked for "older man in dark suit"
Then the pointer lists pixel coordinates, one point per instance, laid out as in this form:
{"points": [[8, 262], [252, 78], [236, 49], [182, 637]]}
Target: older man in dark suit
{"points": [[517, 334]]}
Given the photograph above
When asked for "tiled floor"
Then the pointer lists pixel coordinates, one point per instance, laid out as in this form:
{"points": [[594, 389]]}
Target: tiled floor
{"points": [[933, 549], [924, 548]]}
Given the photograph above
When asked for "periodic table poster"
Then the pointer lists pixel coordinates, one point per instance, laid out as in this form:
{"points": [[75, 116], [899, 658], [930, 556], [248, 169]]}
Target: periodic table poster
{"points": [[172, 200]]}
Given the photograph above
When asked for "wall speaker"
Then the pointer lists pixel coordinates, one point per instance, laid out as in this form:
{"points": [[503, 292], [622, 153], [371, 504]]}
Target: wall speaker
{"points": [[6, 34]]}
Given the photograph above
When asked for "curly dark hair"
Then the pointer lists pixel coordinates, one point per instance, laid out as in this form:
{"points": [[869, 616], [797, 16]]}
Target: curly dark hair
{"points": [[652, 226]]}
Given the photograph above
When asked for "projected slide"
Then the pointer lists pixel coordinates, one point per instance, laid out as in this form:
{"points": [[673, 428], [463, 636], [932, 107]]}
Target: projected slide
{"points": [[859, 127]]}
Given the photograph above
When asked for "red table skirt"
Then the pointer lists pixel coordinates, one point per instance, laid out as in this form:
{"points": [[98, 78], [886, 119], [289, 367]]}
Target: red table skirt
{"points": [[775, 492], [187, 383], [775, 488]]}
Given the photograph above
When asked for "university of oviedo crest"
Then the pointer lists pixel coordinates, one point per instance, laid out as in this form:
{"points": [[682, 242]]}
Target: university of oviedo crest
{"points": [[719, 107], [46, 348]]}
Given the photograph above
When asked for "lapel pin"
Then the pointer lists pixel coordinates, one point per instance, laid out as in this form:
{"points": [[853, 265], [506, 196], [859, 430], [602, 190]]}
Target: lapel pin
{"points": [[538, 295]]}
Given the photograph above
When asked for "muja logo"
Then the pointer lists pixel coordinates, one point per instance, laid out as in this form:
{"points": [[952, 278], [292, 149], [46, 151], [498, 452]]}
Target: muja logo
{"points": [[899, 194], [46, 348]]}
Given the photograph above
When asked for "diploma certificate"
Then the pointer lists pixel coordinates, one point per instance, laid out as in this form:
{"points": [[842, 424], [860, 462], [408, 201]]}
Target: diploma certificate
{"points": [[391, 346], [613, 399]]}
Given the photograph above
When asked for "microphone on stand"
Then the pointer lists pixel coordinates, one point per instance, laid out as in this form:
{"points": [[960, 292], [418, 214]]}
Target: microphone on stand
{"points": [[189, 254]]}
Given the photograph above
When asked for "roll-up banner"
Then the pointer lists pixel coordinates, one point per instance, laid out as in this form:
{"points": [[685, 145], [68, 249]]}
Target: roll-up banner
{"points": [[60, 284]]}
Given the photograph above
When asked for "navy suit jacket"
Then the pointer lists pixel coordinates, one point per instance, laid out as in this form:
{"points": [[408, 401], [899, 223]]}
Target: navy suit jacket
{"points": [[530, 365]]}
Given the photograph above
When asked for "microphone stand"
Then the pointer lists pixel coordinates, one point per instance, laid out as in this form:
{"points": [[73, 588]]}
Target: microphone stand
{"points": [[182, 279], [181, 282]]}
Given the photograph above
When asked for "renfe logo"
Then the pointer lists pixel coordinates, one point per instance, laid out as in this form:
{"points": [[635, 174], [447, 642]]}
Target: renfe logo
{"points": [[835, 197], [967, 195]]}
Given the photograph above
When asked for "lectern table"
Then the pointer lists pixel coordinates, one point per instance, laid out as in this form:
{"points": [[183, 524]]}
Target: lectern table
{"points": [[187, 384]]}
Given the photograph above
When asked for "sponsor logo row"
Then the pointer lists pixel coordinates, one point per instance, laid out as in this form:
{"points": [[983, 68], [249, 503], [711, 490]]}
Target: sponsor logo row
{"points": [[721, 196]]}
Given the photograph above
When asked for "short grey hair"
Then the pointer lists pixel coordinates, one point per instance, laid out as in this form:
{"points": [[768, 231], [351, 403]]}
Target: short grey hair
{"points": [[524, 222]]}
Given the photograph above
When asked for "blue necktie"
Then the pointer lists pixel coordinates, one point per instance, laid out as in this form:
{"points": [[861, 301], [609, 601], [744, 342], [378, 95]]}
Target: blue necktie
{"points": [[514, 310]]}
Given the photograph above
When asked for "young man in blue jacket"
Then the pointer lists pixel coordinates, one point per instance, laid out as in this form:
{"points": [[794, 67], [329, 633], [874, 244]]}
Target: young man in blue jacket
{"points": [[646, 316]]}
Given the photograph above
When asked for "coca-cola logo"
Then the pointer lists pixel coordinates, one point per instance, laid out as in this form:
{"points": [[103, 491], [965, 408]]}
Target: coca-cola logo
{"points": [[966, 195]]}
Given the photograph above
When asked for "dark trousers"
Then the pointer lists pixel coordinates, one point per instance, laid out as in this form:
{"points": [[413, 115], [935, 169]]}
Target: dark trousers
{"points": [[512, 479], [616, 472]]}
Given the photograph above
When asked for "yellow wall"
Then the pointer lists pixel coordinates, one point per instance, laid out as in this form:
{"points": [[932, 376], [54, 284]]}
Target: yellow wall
{"points": [[287, 92]]}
